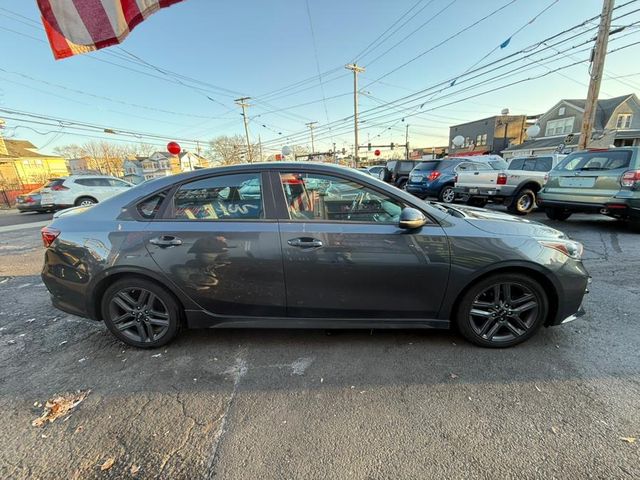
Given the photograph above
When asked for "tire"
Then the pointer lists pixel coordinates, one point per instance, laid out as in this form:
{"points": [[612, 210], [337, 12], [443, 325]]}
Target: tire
{"points": [[523, 202], [447, 195], [634, 225], [554, 213], [477, 202], [85, 201], [504, 328], [150, 313]]}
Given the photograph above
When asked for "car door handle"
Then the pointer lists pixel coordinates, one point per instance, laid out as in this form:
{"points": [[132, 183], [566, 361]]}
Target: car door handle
{"points": [[166, 241], [476, 173], [305, 242]]}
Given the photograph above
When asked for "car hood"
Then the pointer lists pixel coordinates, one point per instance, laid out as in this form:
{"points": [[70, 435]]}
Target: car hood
{"points": [[504, 224]]}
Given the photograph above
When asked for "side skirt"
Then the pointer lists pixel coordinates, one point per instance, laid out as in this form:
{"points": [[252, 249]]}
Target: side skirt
{"points": [[200, 319]]}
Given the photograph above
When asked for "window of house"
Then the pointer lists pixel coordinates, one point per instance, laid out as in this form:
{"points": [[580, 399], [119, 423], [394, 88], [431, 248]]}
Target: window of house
{"points": [[225, 197], [478, 139], [624, 120], [319, 197], [561, 111], [484, 139], [562, 126]]}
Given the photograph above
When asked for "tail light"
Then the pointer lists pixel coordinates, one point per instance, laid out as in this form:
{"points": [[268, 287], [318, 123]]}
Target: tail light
{"points": [[630, 178], [49, 235], [29, 200], [433, 175], [502, 179], [59, 188]]}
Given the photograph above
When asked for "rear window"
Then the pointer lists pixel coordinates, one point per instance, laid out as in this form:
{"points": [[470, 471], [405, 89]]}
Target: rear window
{"points": [[498, 164], [405, 167], [55, 183], [516, 164], [605, 160], [427, 166], [544, 164]]}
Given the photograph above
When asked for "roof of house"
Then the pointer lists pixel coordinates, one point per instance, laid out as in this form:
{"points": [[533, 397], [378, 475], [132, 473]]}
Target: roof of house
{"points": [[542, 143], [606, 107], [20, 149]]}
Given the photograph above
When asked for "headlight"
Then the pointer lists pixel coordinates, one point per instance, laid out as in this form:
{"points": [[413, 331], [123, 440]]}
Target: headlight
{"points": [[569, 247]]}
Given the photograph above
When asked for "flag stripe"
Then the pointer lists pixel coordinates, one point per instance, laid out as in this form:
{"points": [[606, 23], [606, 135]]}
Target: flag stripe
{"points": [[95, 19], [80, 26]]}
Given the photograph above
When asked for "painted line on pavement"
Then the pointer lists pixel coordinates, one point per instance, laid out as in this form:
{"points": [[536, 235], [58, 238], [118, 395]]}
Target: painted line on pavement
{"points": [[24, 226]]}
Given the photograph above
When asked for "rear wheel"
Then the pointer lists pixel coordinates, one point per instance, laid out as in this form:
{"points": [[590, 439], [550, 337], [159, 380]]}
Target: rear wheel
{"points": [[554, 213], [523, 202], [141, 313], [447, 195], [477, 202], [502, 310], [85, 201]]}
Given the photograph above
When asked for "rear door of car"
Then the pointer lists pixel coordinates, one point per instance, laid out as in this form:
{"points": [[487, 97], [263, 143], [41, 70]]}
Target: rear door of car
{"points": [[590, 176], [217, 239]]}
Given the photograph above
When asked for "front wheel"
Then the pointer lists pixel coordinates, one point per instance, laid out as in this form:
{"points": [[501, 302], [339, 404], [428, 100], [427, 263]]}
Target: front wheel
{"points": [[557, 213], [447, 195], [502, 310], [141, 313], [523, 202]]}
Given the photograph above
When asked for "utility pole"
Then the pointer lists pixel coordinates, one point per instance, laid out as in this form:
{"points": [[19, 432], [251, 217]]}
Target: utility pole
{"points": [[260, 144], [406, 142], [311, 126], [356, 70], [242, 102], [597, 68]]}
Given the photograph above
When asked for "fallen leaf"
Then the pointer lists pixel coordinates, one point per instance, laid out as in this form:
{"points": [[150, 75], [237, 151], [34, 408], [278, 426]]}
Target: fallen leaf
{"points": [[554, 430], [134, 469], [11, 342], [321, 380], [156, 355], [79, 429], [31, 320], [44, 436], [62, 343], [59, 406], [628, 439], [108, 463], [537, 388], [453, 375]]}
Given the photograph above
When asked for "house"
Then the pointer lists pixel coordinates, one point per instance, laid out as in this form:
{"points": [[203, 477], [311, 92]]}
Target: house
{"points": [[617, 123], [161, 164], [488, 135], [78, 166], [22, 167]]}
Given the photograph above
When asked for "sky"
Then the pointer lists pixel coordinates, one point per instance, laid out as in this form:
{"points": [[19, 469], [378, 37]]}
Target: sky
{"points": [[259, 48]]}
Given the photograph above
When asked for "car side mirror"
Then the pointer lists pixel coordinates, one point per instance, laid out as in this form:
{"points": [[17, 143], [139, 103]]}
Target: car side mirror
{"points": [[411, 218]]}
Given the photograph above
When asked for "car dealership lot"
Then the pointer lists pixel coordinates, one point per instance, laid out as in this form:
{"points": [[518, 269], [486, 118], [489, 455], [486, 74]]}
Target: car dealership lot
{"points": [[303, 404]]}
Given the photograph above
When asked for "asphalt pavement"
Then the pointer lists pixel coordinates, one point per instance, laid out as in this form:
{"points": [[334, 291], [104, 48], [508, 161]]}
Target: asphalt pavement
{"points": [[245, 404], [14, 217]]}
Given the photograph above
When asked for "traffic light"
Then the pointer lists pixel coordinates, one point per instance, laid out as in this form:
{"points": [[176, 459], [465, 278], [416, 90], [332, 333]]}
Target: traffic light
{"points": [[392, 145], [369, 146]]}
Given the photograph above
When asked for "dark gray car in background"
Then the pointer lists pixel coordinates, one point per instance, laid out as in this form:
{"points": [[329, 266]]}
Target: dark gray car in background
{"points": [[295, 245]]}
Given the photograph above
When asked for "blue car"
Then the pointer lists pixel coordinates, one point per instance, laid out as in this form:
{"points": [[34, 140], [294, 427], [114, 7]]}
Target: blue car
{"points": [[434, 178]]}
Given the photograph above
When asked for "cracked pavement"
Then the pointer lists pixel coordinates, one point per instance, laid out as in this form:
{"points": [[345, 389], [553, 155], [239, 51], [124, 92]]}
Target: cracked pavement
{"points": [[238, 404]]}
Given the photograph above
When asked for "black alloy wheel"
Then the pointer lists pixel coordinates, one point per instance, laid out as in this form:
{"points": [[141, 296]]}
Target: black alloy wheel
{"points": [[502, 311], [140, 313]]}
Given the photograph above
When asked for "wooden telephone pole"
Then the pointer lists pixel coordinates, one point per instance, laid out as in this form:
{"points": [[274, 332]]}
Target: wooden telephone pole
{"points": [[242, 102], [356, 70], [597, 69]]}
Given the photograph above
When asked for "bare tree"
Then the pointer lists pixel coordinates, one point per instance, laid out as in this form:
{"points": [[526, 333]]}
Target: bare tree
{"points": [[69, 151], [225, 150]]}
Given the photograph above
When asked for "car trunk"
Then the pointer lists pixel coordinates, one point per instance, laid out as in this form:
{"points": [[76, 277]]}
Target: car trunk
{"points": [[592, 177]]}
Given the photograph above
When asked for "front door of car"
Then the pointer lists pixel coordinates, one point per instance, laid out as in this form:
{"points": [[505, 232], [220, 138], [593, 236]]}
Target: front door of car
{"points": [[216, 243], [345, 256]]}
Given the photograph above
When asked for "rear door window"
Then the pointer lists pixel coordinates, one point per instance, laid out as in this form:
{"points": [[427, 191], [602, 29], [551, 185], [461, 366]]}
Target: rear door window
{"points": [[544, 164], [225, 197], [604, 160]]}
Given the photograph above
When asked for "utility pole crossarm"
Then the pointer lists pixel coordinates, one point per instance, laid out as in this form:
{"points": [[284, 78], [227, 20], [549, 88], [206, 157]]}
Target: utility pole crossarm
{"points": [[597, 69]]}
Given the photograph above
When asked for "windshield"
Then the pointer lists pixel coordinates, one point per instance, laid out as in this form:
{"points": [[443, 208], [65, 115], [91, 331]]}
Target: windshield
{"points": [[596, 160]]}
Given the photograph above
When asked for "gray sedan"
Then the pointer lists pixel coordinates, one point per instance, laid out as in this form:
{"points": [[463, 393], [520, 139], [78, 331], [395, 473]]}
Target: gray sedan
{"points": [[295, 245]]}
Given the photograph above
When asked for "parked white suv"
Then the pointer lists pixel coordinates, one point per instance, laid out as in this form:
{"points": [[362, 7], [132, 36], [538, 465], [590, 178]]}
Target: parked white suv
{"points": [[78, 190]]}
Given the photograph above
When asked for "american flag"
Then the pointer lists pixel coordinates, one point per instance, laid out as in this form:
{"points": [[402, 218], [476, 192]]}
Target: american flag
{"points": [[81, 26]]}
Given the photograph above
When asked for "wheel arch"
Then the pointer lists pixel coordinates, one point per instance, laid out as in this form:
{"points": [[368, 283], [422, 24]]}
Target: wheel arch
{"points": [[528, 184], [79, 197], [536, 273], [109, 277]]}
